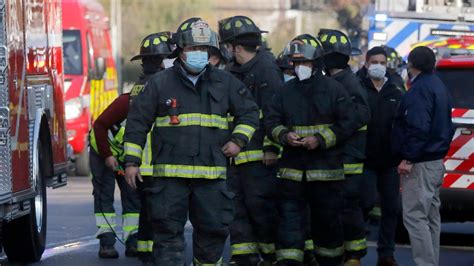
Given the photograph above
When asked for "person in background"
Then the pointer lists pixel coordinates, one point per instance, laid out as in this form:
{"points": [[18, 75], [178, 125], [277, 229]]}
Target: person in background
{"points": [[422, 135], [380, 169]]}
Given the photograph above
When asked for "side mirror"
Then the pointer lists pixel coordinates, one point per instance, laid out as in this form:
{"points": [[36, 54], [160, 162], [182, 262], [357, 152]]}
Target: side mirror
{"points": [[100, 67]]}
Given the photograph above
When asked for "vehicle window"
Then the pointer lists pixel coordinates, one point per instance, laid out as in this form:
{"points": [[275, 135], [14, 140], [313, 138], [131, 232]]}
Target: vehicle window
{"points": [[72, 50], [459, 82]]}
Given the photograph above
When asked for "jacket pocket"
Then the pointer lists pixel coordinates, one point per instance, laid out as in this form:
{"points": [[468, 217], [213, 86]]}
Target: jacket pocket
{"points": [[217, 104]]}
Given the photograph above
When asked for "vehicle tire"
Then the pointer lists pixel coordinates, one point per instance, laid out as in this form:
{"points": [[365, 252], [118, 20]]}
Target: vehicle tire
{"points": [[25, 237], [82, 164]]}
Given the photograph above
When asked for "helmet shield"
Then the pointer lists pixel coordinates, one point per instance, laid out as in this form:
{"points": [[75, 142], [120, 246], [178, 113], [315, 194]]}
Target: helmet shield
{"points": [[197, 34], [297, 50]]}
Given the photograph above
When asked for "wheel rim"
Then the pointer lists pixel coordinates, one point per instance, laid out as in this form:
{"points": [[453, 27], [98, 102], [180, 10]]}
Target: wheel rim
{"points": [[39, 195]]}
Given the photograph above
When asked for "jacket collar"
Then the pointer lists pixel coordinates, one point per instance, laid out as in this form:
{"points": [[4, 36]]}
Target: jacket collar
{"points": [[237, 68]]}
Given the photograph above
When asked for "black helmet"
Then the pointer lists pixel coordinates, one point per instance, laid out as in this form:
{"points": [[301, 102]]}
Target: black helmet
{"points": [[283, 62], [195, 32], [155, 44], [304, 48], [233, 27], [394, 60], [335, 41]]}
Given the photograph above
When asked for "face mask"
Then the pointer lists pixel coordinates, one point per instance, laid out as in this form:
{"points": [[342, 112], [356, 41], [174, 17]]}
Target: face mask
{"points": [[377, 71], [287, 77], [303, 72], [196, 61], [167, 63]]}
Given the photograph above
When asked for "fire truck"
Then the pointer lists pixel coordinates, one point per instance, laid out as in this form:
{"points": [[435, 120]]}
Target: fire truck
{"points": [[455, 67], [90, 72], [402, 23], [33, 144]]}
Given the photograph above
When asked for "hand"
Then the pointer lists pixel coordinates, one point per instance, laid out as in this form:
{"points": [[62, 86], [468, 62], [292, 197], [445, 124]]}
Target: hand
{"points": [[131, 173], [293, 139], [404, 169], [112, 163], [231, 149], [310, 143], [270, 158]]}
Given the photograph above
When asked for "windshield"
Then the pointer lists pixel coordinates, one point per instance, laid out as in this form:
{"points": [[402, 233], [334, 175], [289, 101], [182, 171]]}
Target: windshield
{"points": [[459, 82], [72, 50]]}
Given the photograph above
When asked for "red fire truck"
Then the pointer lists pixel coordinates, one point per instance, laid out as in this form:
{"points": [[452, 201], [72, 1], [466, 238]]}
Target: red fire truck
{"points": [[33, 144], [455, 66], [90, 73]]}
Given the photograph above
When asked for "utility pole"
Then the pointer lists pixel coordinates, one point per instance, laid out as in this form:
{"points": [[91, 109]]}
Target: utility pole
{"points": [[116, 32]]}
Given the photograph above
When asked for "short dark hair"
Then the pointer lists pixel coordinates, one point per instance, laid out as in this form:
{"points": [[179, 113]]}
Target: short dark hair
{"points": [[423, 59], [375, 51]]}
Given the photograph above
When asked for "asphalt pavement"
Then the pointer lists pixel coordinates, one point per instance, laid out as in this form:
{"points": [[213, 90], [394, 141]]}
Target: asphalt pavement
{"points": [[71, 229]]}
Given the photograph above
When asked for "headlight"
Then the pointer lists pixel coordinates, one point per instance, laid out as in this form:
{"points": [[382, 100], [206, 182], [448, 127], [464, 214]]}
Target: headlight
{"points": [[73, 108]]}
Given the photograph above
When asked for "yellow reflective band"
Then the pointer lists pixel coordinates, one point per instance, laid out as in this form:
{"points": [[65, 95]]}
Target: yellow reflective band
{"points": [[267, 248], [290, 254], [244, 248], [268, 142], [146, 170], [364, 128], [308, 245], [325, 175], [133, 149], [189, 171], [194, 119], [276, 132], [130, 228], [353, 168], [197, 263], [329, 252], [248, 156], [356, 245], [145, 246], [105, 220], [105, 214], [328, 136], [107, 225], [245, 130], [306, 131], [291, 174], [131, 215]]}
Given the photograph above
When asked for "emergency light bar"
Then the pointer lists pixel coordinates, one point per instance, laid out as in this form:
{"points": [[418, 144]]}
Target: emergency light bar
{"points": [[452, 33]]}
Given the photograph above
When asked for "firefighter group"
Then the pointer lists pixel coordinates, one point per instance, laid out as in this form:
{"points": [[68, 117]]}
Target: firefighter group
{"points": [[287, 156]]}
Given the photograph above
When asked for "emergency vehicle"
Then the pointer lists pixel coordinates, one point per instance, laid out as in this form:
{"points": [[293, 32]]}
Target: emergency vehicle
{"points": [[90, 73], [400, 24], [455, 66], [33, 144]]}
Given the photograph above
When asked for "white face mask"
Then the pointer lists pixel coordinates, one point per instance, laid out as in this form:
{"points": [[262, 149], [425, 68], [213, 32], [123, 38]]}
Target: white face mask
{"points": [[303, 72], [287, 77], [377, 71]]}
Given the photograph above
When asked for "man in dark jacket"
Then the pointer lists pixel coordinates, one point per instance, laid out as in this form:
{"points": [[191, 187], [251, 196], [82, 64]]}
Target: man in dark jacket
{"points": [[380, 166], [311, 116], [338, 50], [253, 173], [422, 134], [190, 146]]}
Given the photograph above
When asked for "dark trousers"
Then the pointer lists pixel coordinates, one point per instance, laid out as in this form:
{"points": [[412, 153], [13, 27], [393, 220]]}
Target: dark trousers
{"points": [[355, 243], [209, 206], [145, 229], [387, 182], [253, 231], [325, 201], [103, 183]]}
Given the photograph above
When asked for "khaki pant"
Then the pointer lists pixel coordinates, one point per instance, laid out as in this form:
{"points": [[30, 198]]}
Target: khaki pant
{"points": [[420, 199]]}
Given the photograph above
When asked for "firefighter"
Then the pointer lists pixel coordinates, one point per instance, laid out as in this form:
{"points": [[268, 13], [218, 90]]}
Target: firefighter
{"points": [[338, 49], [253, 176], [286, 67], [154, 48], [311, 116], [190, 143]]}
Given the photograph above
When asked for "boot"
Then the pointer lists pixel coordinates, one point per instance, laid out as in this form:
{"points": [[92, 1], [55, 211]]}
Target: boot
{"points": [[131, 246], [108, 252], [352, 262], [387, 261]]}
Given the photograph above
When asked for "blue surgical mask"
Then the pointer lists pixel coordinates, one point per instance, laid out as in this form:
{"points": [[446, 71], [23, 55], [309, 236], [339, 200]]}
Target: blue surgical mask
{"points": [[196, 61], [287, 77]]}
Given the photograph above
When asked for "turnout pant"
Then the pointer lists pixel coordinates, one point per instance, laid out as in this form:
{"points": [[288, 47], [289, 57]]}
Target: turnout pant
{"points": [[355, 242], [209, 206], [325, 201], [421, 202], [103, 183], [253, 231], [145, 230]]}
